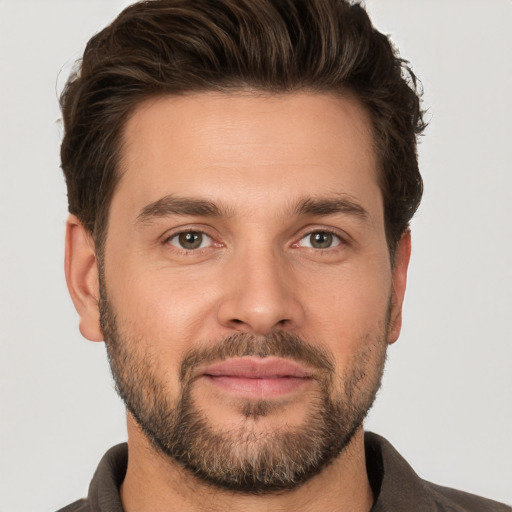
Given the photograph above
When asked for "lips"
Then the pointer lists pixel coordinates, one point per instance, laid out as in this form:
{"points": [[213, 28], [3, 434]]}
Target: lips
{"points": [[260, 377]]}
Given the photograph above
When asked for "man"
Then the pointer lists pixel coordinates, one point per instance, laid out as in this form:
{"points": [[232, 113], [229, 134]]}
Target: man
{"points": [[241, 176]]}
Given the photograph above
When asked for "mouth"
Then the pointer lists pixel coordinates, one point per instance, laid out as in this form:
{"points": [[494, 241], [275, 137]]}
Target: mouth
{"points": [[256, 377]]}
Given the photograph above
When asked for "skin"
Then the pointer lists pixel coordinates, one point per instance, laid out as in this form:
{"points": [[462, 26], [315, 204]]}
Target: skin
{"points": [[255, 157]]}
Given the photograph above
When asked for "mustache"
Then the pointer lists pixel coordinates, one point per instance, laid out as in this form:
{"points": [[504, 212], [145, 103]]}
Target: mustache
{"points": [[278, 344]]}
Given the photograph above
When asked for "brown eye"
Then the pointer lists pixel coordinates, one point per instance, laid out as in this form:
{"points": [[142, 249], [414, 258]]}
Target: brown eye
{"points": [[320, 240], [190, 240]]}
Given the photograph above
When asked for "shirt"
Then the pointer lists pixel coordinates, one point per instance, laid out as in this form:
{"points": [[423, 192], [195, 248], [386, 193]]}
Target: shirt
{"points": [[396, 487]]}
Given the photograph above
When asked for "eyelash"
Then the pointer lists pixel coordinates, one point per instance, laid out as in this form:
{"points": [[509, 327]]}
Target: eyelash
{"points": [[341, 240], [175, 236], [323, 231]]}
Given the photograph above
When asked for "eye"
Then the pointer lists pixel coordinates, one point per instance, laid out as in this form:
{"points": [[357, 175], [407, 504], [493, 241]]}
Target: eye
{"points": [[320, 240], [190, 240]]}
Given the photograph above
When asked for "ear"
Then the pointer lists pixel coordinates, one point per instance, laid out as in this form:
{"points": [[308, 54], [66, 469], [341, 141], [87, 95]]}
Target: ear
{"points": [[401, 263], [81, 269]]}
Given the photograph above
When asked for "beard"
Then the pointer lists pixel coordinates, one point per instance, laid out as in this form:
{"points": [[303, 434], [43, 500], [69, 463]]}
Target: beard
{"points": [[243, 458]]}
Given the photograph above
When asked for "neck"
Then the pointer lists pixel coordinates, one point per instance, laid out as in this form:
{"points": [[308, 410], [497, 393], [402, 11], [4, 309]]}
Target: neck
{"points": [[154, 483]]}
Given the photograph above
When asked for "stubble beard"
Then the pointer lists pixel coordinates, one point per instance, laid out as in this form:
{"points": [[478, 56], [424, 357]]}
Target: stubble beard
{"points": [[245, 459]]}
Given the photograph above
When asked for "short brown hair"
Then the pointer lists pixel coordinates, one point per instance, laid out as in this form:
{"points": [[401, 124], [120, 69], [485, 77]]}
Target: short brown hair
{"points": [[159, 47]]}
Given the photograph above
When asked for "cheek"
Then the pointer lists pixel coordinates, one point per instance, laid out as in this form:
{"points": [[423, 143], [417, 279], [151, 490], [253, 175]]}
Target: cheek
{"points": [[349, 318], [348, 304], [164, 310]]}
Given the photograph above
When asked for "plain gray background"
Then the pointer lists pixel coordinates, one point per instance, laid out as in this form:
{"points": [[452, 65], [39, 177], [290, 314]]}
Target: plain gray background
{"points": [[446, 398]]}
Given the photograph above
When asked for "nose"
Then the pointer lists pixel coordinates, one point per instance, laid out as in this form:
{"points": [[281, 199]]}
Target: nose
{"points": [[260, 296]]}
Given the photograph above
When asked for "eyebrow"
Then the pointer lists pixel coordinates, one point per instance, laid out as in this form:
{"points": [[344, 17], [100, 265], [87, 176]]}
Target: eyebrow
{"points": [[173, 205], [186, 206], [330, 206]]}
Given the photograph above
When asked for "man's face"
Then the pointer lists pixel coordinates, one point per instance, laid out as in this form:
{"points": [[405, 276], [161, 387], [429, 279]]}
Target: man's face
{"points": [[247, 291]]}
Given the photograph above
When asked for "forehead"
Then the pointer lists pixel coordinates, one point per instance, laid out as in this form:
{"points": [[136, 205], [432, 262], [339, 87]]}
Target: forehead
{"points": [[245, 146]]}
